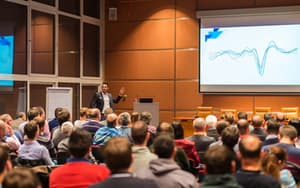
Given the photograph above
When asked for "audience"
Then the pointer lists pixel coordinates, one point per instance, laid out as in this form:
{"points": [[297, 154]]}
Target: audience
{"points": [[164, 170], [5, 163], [20, 118], [92, 123], [118, 158], [211, 121], [63, 116], [140, 152], [54, 122], [258, 130], [219, 165], [250, 175], [8, 137], [221, 125], [21, 178], [78, 172], [124, 123], [272, 132], [83, 116]]}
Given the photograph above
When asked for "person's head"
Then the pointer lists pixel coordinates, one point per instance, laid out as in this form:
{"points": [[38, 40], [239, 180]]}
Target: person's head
{"points": [[288, 132], [272, 127], [219, 160], [104, 87], [165, 128], [243, 126], [21, 178], [80, 143], [124, 119], [146, 117], [230, 136], [7, 119], [5, 164], [32, 113], [273, 161], [295, 122], [67, 128], [242, 115], [94, 114], [164, 146], [63, 116], [178, 130], [199, 124], [41, 123], [135, 116], [221, 125], [211, 121], [117, 154], [268, 115], [57, 110], [2, 129], [107, 111], [250, 147], [280, 117], [112, 120], [21, 115], [41, 112], [31, 129], [83, 113], [139, 133], [257, 121], [228, 116]]}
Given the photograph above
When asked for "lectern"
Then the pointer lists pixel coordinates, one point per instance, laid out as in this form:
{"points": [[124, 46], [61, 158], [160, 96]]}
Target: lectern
{"points": [[153, 108]]}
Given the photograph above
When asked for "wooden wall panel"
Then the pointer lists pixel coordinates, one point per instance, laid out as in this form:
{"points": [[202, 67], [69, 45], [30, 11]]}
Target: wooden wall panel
{"points": [[187, 64], [160, 91], [187, 95], [277, 102], [187, 33], [142, 10], [42, 63], [40, 38], [276, 2], [140, 35], [152, 64], [186, 8], [229, 4]]}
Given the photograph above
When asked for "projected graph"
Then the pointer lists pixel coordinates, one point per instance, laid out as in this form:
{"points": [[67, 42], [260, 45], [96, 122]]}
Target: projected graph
{"points": [[260, 64]]}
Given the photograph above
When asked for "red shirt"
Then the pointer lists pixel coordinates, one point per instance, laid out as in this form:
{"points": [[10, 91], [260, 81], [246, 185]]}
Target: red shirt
{"points": [[78, 174]]}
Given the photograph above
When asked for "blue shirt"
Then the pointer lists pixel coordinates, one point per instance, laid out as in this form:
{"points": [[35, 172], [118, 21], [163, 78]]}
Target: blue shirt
{"points": [[104, 134]]}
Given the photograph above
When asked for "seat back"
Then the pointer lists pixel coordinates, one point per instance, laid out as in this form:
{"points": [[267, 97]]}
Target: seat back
{"points": [[203, 111], [290, 112], [262, 110]]}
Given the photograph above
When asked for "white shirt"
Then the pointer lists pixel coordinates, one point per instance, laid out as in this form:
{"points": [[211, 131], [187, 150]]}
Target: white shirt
{"points": [[106, 101]]}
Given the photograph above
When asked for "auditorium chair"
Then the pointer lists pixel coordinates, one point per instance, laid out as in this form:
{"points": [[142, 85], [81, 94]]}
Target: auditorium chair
{"points": [[262, 110], [290, 112], [203, 111]]}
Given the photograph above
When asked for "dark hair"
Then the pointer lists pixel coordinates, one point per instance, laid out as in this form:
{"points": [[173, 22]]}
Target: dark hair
{"points": [[250, 147], [221, 125], [230, 136], [63, 116], [135, 116], [218, 160], [57, 110], [79, 143], [139, 131], [295, 123], [272, 127], [268, 115], [228, 116], [32, 113], [242, 115], [20, 178], [163, 146], [178, 130], [117, 154], [31, 128], [40, 121], [4, 156]]}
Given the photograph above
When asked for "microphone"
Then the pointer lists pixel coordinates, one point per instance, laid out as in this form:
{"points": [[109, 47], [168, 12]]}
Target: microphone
{"points": [[124, 97]]}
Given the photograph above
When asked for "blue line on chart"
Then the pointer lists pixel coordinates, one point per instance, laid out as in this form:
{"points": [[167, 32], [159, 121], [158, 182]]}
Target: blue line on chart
{"points": [[253, 52]]}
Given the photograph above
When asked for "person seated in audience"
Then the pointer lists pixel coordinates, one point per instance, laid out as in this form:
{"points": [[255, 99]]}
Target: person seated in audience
{"points": [[31, 114], [272, 132], [20, 118], [66, 129], [44, 139], [250, 176], [105, 133], [63, 116], [7, 119], [280, 118], [78, 171], [82, 119], [8, 137], [211, 121], [147, 118], [268, 115], [21, 178], [219, 165], [244, 115], [118, 158], [140, 152], [201, 140], [229, 117], [124, 123], [221, 125], [243, 126], [105, 114], [164, 170], [5, 163], [272, 164], [287, 140], [31, 152], [92, 123], [295, 122], [54, 122], [258, 130], [135, 116]]}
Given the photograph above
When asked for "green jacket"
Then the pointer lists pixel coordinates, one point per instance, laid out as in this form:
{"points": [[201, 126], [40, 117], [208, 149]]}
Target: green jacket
{"points": [[220, 181]]}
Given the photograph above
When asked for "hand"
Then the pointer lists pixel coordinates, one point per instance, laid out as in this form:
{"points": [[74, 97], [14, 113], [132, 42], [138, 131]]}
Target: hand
{"points": [[9, 130], [122, 91]]}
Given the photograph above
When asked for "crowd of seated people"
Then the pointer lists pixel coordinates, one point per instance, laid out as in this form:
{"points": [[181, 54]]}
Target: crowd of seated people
{"points": [[123, 150]]}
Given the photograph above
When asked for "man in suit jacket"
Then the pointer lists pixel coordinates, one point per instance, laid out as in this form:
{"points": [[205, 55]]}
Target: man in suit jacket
{"points": [[102, 99]]}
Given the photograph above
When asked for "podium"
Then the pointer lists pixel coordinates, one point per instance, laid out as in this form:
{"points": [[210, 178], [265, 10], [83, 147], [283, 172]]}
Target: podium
{"points": [[153, 108]]}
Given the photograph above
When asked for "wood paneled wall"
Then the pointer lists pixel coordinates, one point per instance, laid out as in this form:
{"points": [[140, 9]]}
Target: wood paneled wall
{"points": [[152, 50]]}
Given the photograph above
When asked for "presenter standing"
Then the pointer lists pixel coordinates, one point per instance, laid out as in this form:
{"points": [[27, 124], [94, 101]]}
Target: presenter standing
{"points": [[103, 100]]}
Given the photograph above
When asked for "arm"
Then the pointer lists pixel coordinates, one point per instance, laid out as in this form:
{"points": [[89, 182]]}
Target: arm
{"points": [[94, 103], [121, 95], [46, 157]]}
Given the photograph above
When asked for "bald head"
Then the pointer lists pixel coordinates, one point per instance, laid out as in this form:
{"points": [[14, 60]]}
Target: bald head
{"points": [[257, 121], [243, 126], [250, 147]]}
